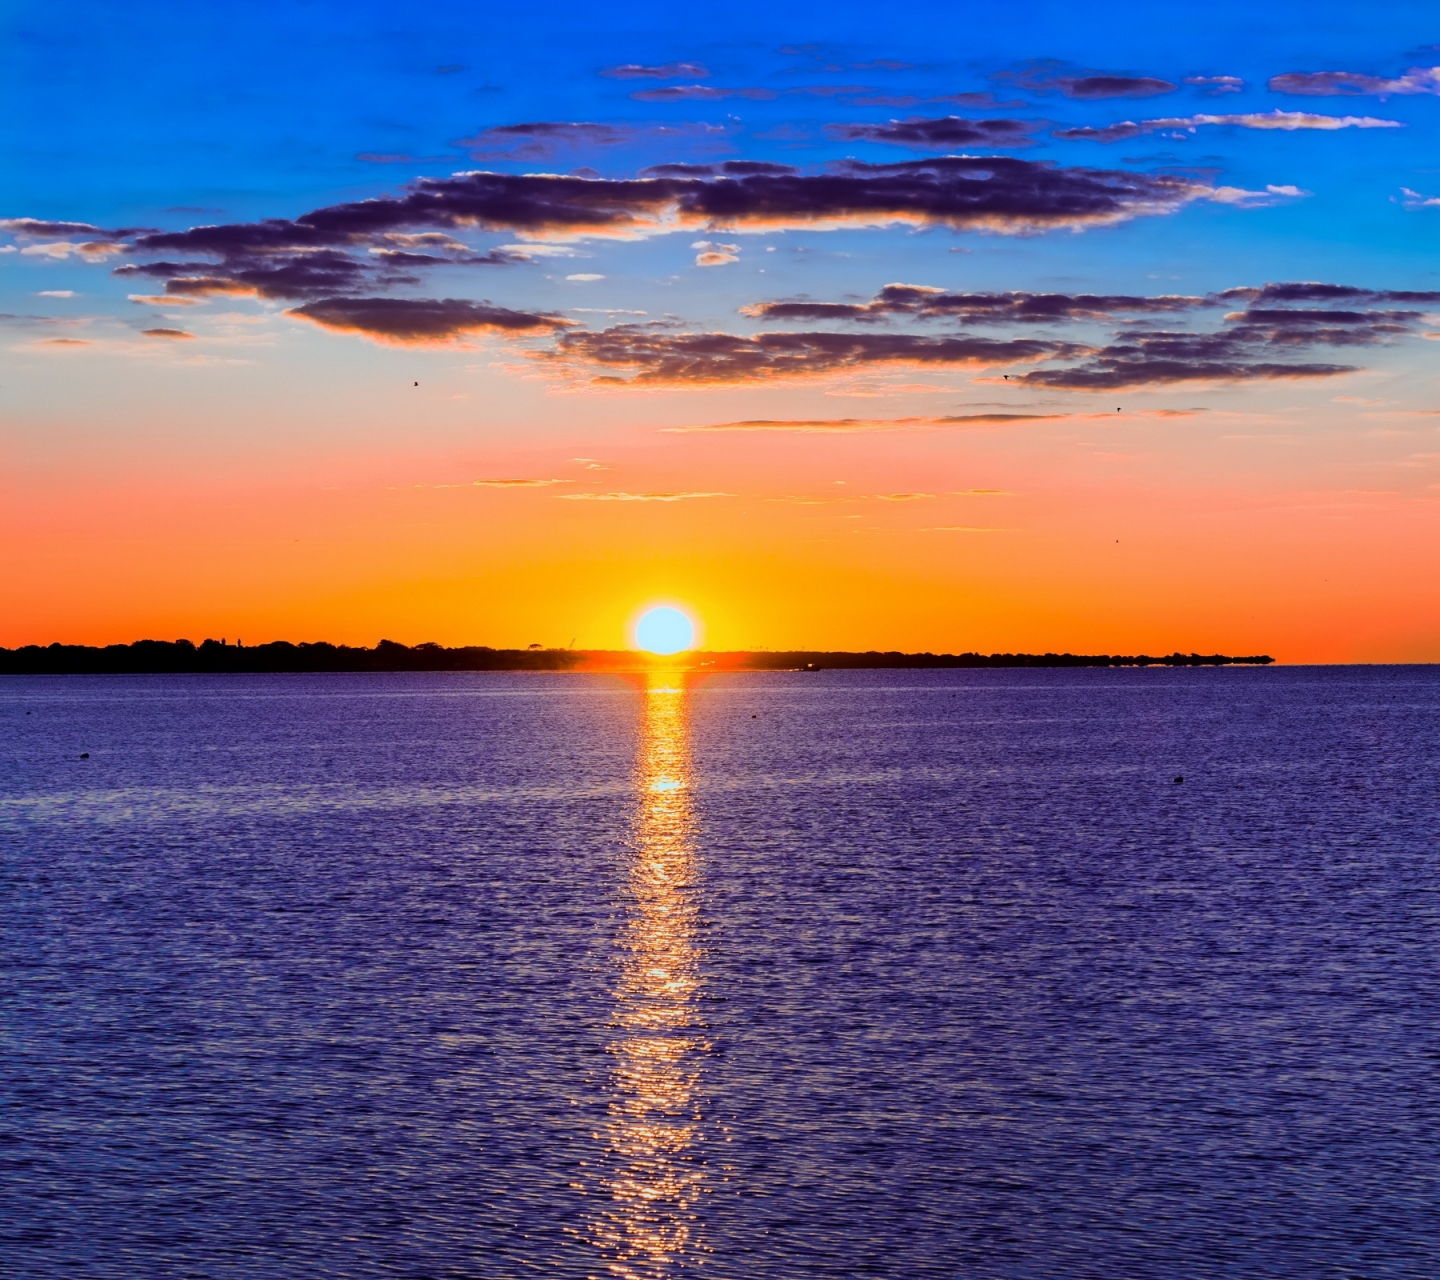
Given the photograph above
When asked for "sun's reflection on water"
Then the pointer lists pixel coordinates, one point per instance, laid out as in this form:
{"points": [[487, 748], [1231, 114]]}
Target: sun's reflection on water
{"points": [[647, 1225]]}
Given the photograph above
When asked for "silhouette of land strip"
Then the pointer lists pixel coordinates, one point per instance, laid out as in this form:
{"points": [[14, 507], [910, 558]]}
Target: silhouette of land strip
{"points": [[157, 656]]}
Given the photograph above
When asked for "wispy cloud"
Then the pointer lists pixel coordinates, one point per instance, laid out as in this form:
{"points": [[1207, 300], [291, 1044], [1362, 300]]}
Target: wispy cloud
{"points": [[664, 71], [1217, 84], [928, 302], [672, 496], [1327, 84], [844, 425], [540, 139], [1277, 119], [519, 484], [701, 93]]}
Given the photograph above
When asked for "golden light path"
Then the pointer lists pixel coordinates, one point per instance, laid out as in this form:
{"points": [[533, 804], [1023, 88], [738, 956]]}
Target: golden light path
{"points": [[647, 1225]]}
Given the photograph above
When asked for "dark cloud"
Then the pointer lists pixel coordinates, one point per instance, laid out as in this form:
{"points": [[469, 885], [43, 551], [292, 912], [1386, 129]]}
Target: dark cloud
{"points": [[311, 275], [927, 303], [366, 245], [1254, 343], [700, 93], [1121, 132], [1049, 74], [541, 138], [1120, 370], [667, 71], [995, 193], [948, 131], [754, 168], [679, 170], [1320, 326], [1115, 87], [416, 321], [1316, 291], [986, 99], [1246, 347], [299, 275], [730, 168], [1235, 354], [650, 355]]}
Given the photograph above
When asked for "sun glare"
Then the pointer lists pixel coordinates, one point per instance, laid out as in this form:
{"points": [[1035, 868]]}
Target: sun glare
{"points": [[664, 630]]}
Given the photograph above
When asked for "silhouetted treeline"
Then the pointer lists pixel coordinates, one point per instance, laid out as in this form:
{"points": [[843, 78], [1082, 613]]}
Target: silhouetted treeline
{"points": [[280, 655], [844, 661]]}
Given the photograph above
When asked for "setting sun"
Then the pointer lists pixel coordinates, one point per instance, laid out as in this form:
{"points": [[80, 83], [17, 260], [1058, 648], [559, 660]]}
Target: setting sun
{"points": [[664, 630]]}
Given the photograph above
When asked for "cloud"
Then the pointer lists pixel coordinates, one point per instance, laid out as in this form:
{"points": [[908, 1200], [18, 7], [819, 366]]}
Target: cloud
{"points": [[946, 132], [731, 168], [1242, 198], [541, 139], [1159, 358], [520, 484], [391, 259], [1277, 119], [359, 247], [92, 249], [1317, 291], [43, 228], [640, 497], [926, 302], [1245, 349], [585, 276], [1268, 326], [62, 342], [416, 321], [166, 333], [1414, 200], [666, 71], [657, 356], [398, 157], [713, 259], [700, 93], [1217, 84], [843, 425], [1115, 87], [56, 293], [1329, 84]]}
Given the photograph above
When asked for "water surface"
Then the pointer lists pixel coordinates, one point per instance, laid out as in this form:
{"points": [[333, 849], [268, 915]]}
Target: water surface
{"points": [[764, 977]]}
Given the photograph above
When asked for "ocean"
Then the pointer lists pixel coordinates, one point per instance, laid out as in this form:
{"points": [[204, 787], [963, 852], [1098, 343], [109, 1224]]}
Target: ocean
{"points": [[758, 976]]}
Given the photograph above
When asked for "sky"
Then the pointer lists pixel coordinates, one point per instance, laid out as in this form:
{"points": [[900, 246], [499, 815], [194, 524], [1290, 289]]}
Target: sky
{"points": [[949, 327]]}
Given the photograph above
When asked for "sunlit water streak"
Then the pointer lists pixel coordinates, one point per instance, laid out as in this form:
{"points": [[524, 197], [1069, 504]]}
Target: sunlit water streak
{"points": [[654, 1168]]}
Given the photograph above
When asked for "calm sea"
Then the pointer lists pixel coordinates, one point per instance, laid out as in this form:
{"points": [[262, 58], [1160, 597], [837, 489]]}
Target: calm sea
{"points": [[764, 977]]}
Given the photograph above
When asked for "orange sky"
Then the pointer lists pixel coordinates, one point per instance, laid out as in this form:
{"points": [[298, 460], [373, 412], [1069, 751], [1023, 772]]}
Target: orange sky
{"points": [[1302, 525]]}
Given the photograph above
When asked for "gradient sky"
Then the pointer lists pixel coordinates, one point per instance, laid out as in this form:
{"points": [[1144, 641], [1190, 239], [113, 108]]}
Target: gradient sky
{"points": [[1163, 375]]}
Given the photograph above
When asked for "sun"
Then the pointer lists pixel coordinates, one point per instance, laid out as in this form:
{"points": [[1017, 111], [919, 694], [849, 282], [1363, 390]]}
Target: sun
{"points": [[664, 630]]}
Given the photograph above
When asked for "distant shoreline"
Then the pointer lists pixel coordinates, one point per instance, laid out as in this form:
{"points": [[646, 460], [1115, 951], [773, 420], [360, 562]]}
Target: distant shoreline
{"points": [[154, 657]]}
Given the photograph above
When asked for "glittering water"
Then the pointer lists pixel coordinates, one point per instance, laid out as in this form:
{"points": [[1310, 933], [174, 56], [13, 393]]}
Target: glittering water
{"points": [[772, 976]]}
